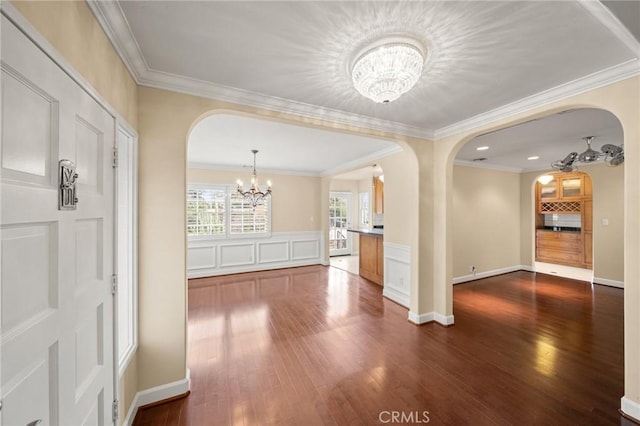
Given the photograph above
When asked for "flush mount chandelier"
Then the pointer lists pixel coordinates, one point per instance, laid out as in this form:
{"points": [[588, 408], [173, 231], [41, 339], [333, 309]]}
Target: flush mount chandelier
{"points": [[254, 195], [388, 68], [613, 156]]}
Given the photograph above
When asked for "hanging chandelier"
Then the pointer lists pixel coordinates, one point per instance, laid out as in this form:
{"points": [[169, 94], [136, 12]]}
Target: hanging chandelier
{"points": [[613, 155], [388, 68], [254, 195]]}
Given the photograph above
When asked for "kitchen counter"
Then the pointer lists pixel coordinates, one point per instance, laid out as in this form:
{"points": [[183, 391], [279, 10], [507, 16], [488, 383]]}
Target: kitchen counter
{"points": [[559, 229], [371, 254], [374, 232]]}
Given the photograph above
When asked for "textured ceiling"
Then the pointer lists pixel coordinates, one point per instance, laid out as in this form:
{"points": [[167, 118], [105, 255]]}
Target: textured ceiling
{"points": [[487, 59]]}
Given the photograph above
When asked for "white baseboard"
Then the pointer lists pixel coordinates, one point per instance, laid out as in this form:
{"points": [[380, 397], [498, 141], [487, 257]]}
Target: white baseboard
{"points": [[421, 318], [630, 408], [429, 317], [486, 274], [158, 393], [398, 297], [443, 319], [610, 283]]}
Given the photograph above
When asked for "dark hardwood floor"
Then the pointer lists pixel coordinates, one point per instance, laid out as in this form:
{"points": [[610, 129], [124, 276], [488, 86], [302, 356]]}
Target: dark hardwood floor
{"points": [[317, 345]]}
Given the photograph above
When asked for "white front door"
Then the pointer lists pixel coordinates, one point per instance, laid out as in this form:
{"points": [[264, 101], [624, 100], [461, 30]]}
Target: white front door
{"points": [[339, 221], [57, 306]]}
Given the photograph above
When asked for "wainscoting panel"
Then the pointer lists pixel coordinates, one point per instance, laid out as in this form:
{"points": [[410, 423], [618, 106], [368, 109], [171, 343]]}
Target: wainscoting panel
{"points": [[397, 273], [305, 249], [215, 256], [273, 251], [238, 254], [203, 257]]}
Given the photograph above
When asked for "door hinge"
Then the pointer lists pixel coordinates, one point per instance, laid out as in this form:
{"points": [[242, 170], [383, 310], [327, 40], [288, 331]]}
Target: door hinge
{"points": [[115, 157], [114, 284], [116, 410]]}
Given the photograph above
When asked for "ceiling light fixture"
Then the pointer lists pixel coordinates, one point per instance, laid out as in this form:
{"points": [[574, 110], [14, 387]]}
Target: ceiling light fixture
{"points": [[613, 156], [388, 68], [533, 157], [482, 148], [253, 194], [545, 179]]}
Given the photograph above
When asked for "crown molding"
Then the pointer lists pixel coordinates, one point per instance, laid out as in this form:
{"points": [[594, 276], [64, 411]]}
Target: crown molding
{"points": [[480, 165], [111, 17], [606, 17], [354, 164], [344, 167], [247, 169], [602, 78]]}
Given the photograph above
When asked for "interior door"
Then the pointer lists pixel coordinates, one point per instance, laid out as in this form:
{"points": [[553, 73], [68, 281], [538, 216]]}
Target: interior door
{"points": [[56, 321], [339, 221]]}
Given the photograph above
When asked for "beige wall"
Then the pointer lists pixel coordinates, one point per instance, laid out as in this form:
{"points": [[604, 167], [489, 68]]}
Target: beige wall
{"points": [[486, 220], [608, 203], [295, 200], [69, 26]]}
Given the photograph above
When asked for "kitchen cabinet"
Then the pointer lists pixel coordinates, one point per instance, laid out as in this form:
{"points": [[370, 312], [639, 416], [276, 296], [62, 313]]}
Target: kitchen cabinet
{"points": [[567, 193], [563, 247], [372, 257], [378, 195]]}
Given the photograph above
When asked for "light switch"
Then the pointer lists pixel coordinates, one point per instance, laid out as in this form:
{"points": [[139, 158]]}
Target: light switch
{"points": [[605, 221]]}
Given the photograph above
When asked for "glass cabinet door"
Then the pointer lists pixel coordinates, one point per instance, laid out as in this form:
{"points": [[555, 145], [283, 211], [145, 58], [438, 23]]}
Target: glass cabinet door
{"points": [[571, 187], [549, 190]]}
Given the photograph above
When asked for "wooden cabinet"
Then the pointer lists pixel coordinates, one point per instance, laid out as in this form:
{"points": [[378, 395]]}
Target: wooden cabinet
{"points": [[566, 193], [378, 195], [372, 258], [559, 247]]}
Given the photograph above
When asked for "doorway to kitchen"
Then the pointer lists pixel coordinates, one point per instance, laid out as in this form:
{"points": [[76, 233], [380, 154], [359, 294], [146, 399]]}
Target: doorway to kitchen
{"points": [[339, 221]]}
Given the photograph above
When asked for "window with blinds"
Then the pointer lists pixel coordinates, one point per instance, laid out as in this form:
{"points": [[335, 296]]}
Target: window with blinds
{"points": [[218, 210]]}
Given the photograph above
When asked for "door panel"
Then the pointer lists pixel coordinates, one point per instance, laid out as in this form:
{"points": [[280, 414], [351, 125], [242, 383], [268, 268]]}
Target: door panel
{"points": [[57, 307], [339, 221]]}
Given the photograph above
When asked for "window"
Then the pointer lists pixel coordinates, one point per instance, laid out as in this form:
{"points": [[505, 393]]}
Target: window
{"points": [[206, 211], [218, 210]]}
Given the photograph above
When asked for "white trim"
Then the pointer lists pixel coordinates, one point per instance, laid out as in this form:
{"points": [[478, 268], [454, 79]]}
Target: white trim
{"points": [[630, 408], [608, 282], [396, 296], [596, 80], [421, 318], [397, 273], [310, 239], [156, 394], [367, 159], [124, 126], [443, 319], [493, 272], [604, 15], [240, 169]]}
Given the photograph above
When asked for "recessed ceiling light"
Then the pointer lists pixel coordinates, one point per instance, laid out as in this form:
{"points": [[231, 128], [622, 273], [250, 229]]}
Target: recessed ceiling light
{"points": [[482, 148], [535, 157]]}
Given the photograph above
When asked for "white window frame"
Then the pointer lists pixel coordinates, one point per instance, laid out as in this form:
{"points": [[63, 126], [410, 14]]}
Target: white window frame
{"points": [[126, 299], [227, 235]]}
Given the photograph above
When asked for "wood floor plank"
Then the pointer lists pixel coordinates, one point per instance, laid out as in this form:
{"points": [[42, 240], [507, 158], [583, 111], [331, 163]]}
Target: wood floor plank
{"points": [[318, 345]]}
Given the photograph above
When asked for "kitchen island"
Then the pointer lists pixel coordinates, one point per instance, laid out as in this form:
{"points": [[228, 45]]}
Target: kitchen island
{"points": [[371, 254]]}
